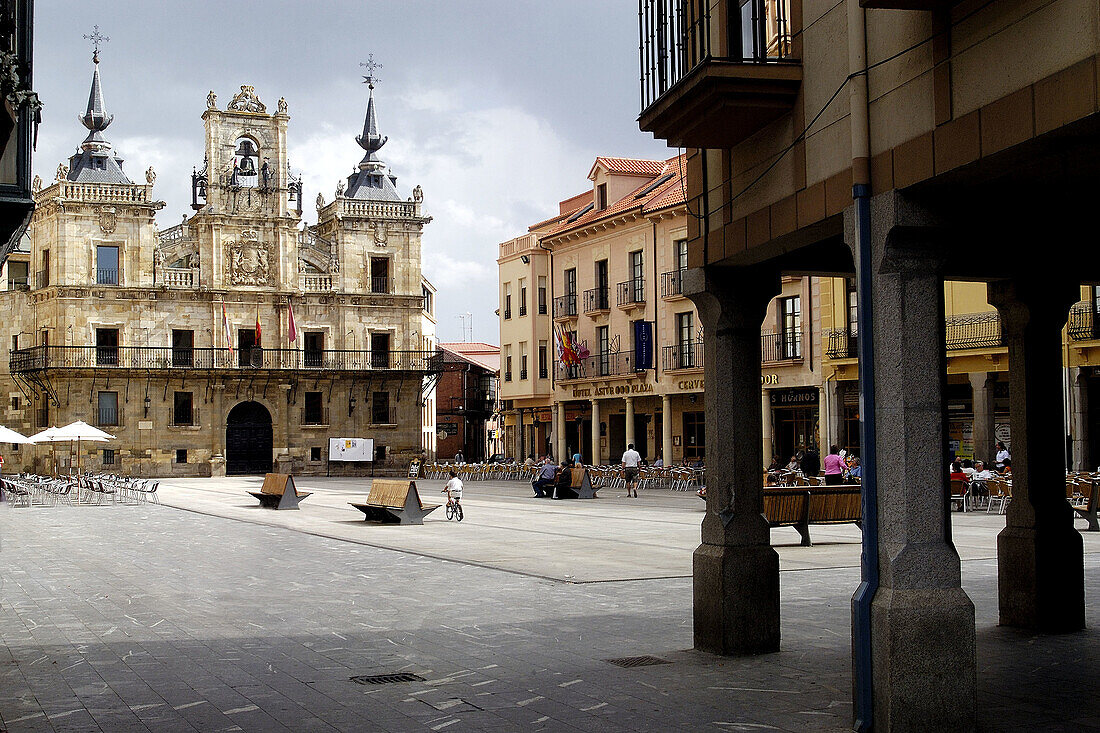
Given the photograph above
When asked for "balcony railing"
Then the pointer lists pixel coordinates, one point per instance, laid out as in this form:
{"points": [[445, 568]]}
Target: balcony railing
{"points": [[596, 300], [974, 331], [108, 416], [782, 346], [678, 35], [631, 292], [523, 374], [315, 415], [178, 277], [565, 306], [507, 313], [522, 310], [1084, 323], [688, 355], [507, 376], [842, 345], [38, 358], [380, 285], [672, 283], [106, 276], [315, 283], [611, 364], [185, 418], [18, 283]]}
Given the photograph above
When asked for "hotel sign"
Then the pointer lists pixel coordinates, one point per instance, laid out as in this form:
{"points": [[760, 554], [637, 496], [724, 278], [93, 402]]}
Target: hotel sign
{"points": [[611, 390]]}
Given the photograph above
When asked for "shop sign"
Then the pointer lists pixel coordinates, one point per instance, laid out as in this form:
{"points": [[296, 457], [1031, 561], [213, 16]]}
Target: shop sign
{"points": [[449, 428], [610, 390], [794, 397], [690, 384]]}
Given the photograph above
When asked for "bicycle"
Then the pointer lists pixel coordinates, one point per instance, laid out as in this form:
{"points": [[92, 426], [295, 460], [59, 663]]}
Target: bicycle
{"points": [[454, 507]]}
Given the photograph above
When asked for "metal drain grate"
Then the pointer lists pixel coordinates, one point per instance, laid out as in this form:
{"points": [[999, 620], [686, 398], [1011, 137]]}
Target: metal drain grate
{"points": [[386, 679], [644, 661]]}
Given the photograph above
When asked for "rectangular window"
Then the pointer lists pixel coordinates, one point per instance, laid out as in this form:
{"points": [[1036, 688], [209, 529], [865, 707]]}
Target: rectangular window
{"points": [[314, 412], [542, 360], [507, 301], [183, 347], [680, 251], [380, 409], [523, 361], [601, 285], [685, 340], [313, 348], [315, 453], [695, 435], [603, 339], [106, 265], [183, 409], [15, 402], [380, 351], [427, 300], [108, 408], [790, 321], [523, 297], [571, 281], [542, 295], [106, 351], [17, 275], [15, 343], [601, 197], [508, 367], [181, 455], [108, 456], [379, 274], [42, 416], [853, 306], [42, 279]]}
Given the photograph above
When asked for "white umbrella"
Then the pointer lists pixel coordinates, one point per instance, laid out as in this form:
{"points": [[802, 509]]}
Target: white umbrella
{"points": [[79, 431], [47, 436], [8, 435]]}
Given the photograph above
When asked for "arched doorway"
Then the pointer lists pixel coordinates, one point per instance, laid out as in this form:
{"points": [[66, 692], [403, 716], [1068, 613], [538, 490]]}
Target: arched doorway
{"points": [[248, 439]]}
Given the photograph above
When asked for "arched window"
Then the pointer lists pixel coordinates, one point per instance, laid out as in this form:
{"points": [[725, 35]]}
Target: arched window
{"points": [[246, 163]]}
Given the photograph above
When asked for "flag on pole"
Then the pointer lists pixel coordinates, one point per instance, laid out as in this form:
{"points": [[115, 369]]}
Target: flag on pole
{"points": [[228, 335], [292, 330], [258, 344]]}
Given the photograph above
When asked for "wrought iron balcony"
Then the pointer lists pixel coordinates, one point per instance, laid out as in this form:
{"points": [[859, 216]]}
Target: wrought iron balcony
{"points": [[565, 306], [155, 358], [713, 73], [1084, 321], [842, 345], [672, 283], [688, 355], [596, 300], [631, 293], [782, 346], [974, 331], [609, 364], [106, 276]]}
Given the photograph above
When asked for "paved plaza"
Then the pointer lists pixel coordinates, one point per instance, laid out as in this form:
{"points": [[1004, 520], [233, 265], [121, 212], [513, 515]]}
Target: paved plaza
{"points": [[206, 613]]}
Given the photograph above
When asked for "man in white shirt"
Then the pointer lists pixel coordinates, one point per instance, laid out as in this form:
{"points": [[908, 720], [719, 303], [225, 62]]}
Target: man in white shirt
{"points": [[631, 460]]}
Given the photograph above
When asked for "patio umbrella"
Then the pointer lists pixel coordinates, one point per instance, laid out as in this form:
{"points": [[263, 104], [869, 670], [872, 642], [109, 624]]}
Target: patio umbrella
{"points": [[47, 436], [8, 435], [79, 431]]}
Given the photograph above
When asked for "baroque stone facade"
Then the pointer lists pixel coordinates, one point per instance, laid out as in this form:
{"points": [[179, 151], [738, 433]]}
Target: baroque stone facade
{"points": [[239, 340]]}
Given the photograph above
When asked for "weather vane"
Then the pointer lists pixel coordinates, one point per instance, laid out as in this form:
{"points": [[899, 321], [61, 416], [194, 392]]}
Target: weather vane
{"points": [[370, 65], [96, 38]]}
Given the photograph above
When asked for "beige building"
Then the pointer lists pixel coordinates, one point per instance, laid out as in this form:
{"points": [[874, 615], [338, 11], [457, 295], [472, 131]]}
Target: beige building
{"points": [[608, 270], [239, 340]]}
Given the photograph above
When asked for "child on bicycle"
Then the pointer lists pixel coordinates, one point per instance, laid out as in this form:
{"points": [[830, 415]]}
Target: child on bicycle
{"points": [[453, 489]]}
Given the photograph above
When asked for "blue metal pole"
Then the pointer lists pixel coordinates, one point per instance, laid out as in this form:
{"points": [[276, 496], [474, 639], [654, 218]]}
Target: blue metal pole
{"points": [[869, 577]]}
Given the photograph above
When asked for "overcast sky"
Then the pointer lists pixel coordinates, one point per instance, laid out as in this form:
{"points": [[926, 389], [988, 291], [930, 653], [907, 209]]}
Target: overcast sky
{"points": [[497, 108]]}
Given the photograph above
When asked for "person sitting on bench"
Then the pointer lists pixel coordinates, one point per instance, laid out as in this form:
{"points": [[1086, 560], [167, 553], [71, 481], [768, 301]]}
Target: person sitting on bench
{"points": [[545, 480], [563, 487]]}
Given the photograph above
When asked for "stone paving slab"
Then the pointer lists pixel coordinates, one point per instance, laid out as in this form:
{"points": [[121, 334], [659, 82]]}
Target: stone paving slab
{"points": [[150, 618]]}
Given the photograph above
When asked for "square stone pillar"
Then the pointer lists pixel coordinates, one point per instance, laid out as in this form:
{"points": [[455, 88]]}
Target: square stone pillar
{"points": [[666, 429], [981, 390], [923, 660], [768, 442], [596, 452], [1040, 557], [1079, 420], [559, 432], [735, 569]]}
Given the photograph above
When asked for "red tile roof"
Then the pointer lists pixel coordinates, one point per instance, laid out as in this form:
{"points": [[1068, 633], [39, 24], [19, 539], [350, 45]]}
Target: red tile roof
{"points": [[628, 166], [480, 353], [668, 193]]}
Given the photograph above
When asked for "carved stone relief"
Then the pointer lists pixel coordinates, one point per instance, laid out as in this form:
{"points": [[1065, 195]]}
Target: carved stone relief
{"points": [[108, 218], [249, 260]]}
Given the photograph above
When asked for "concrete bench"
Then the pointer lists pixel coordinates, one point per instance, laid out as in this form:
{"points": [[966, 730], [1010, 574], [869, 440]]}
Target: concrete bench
{"points": [[394, 501], [278, 492], [801, 506], [580, 486]]}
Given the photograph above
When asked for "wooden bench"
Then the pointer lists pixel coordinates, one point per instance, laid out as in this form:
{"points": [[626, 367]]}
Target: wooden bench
{"points": [[278, 492], [394, 501], [801, 506], [1088, 506], [580, 486]]}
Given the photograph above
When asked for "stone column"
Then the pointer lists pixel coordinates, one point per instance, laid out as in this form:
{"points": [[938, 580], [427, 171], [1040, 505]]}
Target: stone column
{"points": [[559, 433], [217, 429], [981, 389], [629, 437], [596, 453], [1040, 560], [735, 569], [766, 429], [922, 622], [1079, 423], [666, 429]]}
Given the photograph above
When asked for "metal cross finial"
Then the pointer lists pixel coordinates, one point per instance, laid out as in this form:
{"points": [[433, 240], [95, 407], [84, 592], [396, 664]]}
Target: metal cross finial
{"points": [[371, 66], [96, 38]]}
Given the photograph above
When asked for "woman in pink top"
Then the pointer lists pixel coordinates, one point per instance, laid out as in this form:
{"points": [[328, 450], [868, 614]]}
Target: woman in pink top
{"points": [[834, 467]]}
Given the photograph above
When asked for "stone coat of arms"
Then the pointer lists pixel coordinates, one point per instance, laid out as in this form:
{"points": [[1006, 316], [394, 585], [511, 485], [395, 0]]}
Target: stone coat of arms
{"points": [[249, 260]]}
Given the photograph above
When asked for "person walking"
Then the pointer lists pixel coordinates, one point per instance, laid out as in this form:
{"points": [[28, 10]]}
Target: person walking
{"points": [[630, 461], [1003, 456], [834, 467]]}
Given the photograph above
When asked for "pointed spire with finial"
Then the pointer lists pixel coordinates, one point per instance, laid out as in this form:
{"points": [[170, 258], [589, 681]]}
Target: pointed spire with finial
{"points": [[94, 161], [370, 180]]}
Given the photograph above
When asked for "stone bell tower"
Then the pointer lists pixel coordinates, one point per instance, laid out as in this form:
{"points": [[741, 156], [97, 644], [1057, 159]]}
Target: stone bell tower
{"points": [[248, 204]]}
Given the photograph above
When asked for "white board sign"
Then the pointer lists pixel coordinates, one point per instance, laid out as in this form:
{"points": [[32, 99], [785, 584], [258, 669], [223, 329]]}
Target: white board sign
{"points": [[351, 449]]}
